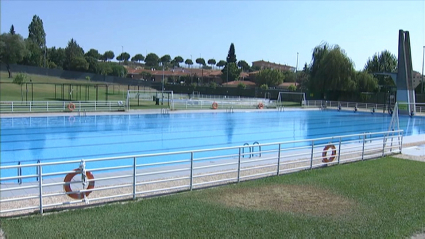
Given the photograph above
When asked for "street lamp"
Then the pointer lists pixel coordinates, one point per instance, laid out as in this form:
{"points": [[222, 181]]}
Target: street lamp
{"points": [[162, 88], [296, 71], [423, 58]]}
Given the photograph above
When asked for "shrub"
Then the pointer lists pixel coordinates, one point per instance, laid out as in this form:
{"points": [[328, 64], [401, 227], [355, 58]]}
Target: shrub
{"points": [[264, 87], [20, 78]]}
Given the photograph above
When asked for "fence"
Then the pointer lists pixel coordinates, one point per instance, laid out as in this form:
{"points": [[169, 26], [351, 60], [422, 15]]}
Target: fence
{"points": [[59, 106], [150, 174], [420, 107]]}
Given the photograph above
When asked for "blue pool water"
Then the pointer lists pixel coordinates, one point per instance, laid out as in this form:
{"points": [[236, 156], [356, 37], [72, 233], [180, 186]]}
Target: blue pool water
{"points": [[29, 139]]}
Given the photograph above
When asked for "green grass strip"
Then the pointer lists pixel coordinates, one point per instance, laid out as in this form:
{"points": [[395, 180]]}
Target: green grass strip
{"points": [[381, 198]]}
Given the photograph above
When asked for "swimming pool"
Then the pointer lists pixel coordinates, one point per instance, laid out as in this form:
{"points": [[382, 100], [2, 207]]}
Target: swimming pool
{"points": [[58, 138]]}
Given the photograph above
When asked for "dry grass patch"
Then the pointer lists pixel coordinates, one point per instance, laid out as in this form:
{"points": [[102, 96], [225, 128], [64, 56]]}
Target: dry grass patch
{"points": [[300, 199]]}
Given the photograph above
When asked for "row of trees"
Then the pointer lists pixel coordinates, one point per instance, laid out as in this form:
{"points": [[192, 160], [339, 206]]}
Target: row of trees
{"points": [[330, 68], [33, 51]]}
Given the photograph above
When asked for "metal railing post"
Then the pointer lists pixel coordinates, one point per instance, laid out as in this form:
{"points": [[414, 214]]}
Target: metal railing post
{"points": [[191, 171], [312, 153], [364, 139], [134, 178], [239, 165], [339, 150], [278, 161], [19, 173], [40, 187], [383, 145]]}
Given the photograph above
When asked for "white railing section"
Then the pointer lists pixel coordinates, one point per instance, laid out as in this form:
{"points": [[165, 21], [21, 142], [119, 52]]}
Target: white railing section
{"points": [[60, 106], [219, 104], [52, 185], [370, 107]]}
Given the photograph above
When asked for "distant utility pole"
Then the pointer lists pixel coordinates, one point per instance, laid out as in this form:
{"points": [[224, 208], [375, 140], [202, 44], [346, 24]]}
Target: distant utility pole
{"points": [[423, 59], [296, 71]]}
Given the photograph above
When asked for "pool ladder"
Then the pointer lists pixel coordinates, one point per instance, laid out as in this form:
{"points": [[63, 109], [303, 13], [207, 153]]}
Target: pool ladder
{"points": [[229, 109], [165, 111], [251, 149], [20, 172], [83, 113], [366, 135]]}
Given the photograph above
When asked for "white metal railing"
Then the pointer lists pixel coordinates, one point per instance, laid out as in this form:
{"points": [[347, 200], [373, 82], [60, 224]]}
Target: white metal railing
{"points": [[373, 107], [128, 177], [59, 106], [219, 104]]}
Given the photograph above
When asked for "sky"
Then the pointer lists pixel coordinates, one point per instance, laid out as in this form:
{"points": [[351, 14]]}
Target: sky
{"points": [[275, 31]]}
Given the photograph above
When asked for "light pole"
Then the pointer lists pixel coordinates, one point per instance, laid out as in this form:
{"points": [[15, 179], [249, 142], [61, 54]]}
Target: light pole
{"points": [[423, 58], [190, 67], [162, 88], [296, 71]]}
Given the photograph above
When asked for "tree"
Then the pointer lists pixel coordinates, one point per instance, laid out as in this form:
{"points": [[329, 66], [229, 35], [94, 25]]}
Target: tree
{"points": [[188, 62], [231, 56], [303, 78], [382, 62], [221, 63], [123, 57], [212, 62], [178, 60], [117, 70], [138, 58], [79, 63], [292, 88], [93, 53], [269, 77], [165, 59], [20, 79], [366, 82], [12, 50], [151, 60], [56, 57], [73, 51], [34, 55], [230, 72], [290, 76], [243, 65], [36, 32], [12, 30], [331, 70], [104, 68], [146, 75], [108, 55], [200, 61], [337, 72]]}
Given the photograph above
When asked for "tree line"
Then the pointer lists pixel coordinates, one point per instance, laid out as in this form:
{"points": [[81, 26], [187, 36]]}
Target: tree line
{"points": [[330, 68], [32, 51]]}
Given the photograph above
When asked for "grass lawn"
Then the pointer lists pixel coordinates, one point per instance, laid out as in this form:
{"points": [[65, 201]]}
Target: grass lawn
{"points": [[381, 198], [44, 89]]}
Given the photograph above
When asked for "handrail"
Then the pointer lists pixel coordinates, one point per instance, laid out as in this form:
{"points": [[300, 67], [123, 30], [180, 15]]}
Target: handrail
{"points": [[243, 150], [259, 147], [220, 167]]}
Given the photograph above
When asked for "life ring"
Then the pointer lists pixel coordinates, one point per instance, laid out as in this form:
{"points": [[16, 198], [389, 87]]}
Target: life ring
{"points": [[71, 106], [67, 186], [325, 152], [260, 105], [214, 105]]}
